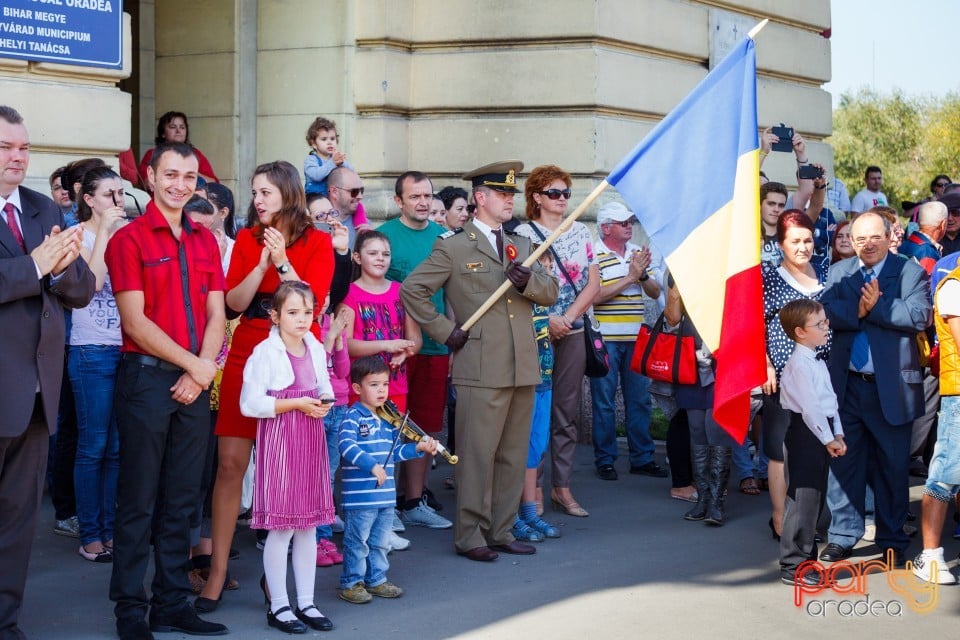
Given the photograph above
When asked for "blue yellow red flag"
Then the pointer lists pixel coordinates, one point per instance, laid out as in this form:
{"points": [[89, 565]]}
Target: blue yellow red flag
{"points": [[693, 183]]}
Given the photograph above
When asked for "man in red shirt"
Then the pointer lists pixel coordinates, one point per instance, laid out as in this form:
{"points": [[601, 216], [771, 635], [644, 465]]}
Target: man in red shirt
{"points": [[169, 286]]}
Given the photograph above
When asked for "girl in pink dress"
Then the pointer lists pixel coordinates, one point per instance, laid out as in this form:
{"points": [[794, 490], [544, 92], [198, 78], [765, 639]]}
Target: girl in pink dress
{"points": [[377, 323], [286, 387]]}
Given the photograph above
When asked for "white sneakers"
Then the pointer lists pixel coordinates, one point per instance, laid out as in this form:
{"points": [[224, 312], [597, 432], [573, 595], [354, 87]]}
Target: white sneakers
{"points": [[424, 516], [396, 543], [923, 567], [397, 522]]}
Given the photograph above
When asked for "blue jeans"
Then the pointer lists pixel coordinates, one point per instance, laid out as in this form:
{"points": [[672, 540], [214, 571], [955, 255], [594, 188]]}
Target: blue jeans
{"points": [[365, 546], [93, 375], [331, 428], [636, 401]]}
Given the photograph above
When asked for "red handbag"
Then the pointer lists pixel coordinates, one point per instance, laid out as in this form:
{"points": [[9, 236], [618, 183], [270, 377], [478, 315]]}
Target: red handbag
{"points": [[667, 357]]}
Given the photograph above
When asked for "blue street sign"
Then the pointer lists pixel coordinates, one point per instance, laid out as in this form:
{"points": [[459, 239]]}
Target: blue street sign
{"points": [[82, 32]]}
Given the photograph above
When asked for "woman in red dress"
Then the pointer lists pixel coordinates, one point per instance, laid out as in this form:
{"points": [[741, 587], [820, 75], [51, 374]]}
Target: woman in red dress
{"points": [[282, 245]]}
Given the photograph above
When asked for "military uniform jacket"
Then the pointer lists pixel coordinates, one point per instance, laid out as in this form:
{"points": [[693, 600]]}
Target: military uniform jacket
{"points": [[501, 350]]}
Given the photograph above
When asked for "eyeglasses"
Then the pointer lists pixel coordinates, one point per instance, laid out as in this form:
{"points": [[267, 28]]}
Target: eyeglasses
{"points": [[941, 185], [624, 223], [823, 325], [354, 192], [471, 209], [554, 194], [332, 214], [872, 240]]}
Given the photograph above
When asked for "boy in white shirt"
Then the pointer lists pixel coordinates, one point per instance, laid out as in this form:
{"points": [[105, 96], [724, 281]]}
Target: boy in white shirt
{"points": [[813, 436]]}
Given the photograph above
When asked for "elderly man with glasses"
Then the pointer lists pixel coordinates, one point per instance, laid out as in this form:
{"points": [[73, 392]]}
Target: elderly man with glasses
{"points": [[626, 275]]}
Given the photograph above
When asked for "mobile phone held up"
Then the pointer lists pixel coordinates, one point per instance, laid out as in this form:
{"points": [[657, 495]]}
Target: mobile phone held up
{"points": [[809, 172], [785, 134]]}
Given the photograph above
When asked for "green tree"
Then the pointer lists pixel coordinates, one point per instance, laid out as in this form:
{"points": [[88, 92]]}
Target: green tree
{"points": [[886, 131]]}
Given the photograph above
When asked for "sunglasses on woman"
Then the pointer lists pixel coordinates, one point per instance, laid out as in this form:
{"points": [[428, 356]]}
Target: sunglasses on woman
{"points": [[554, 194]]}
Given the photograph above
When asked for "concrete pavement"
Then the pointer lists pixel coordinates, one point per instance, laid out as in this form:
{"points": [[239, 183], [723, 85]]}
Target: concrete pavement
{"points": [[634, 568]]}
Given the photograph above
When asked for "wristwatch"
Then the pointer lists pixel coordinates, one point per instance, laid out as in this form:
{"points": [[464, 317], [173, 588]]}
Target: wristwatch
{"points": [[644, 277], [283, 269]]}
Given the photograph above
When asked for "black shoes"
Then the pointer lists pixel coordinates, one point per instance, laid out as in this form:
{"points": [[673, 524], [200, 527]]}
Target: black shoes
{"points": [[833, 552], [607, 472], [651, 469], [320, 623], [287, 626], [185, 621], [206, 605], [808, 579], [896, 558], [133, 630]]}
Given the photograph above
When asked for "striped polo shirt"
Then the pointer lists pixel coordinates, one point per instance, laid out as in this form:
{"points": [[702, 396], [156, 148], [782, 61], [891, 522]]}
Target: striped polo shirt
{"points": [[621, 316]]}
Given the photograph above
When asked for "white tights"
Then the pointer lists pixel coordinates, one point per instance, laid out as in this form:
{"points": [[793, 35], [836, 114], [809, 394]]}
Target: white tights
{"points": [[304, 569]]}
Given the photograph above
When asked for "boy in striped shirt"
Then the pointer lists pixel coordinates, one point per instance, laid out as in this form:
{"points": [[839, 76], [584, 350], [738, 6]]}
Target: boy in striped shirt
{"points": [[369, 448]]}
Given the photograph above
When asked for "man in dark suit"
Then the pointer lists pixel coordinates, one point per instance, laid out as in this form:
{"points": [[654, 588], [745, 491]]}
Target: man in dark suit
{"points": [[40, 274], [876, 302]]}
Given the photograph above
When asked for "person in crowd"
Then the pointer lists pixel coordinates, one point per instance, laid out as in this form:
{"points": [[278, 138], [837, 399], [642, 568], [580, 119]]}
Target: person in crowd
{"points": [[951, 237], [287, 390], [369, 450], [64, 443], [495, 400], [324, 156], [411, 237], [823, 218], [455, 202], [625, 278], [897, 230], [338, 370], [345, 191], [223, 225], [43, 274], [327, 219], [838, 200], [202, 212], [796, 278], [438, 212], [937, 186], [162, 404], [528, 525], [378, 324], [870, 196], [842, 245], [943, 482], [773, 199], [547, 192], [92, 363], [173, 127], [814, 435], [876, 303], [59, 193], [710, 444], [281, 245]]}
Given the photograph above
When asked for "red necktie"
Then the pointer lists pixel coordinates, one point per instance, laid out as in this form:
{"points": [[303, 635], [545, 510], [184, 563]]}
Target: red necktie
{"points": [[12, 223]]}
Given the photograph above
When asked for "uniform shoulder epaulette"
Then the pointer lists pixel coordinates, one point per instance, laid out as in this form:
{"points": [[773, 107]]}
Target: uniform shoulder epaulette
{"points": [[451, 233], [513, 233]]}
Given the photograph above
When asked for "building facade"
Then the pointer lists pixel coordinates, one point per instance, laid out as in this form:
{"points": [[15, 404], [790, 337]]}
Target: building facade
{"points": [[441, 86]]}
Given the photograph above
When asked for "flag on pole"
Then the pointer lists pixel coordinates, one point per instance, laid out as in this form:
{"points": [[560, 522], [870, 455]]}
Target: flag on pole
{"points": [[694, 184]]}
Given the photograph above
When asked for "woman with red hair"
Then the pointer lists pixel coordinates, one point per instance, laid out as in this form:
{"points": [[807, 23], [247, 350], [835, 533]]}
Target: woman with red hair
{"points": [[796, 277]]}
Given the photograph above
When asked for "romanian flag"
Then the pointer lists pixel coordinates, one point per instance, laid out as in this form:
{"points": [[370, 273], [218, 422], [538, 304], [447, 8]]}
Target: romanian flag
{"points": [[693, 183]]}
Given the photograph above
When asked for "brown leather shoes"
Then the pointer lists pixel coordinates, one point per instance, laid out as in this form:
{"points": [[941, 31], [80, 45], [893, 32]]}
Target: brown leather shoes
{"points": [[480, 554], [516, 547]]}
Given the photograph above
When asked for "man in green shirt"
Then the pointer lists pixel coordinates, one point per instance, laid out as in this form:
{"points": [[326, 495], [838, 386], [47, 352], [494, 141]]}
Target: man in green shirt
{"points": [[411, 238]]}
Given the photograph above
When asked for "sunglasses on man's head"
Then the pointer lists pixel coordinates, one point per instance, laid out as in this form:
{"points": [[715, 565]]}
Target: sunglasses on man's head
{"points": [[554, 194]]}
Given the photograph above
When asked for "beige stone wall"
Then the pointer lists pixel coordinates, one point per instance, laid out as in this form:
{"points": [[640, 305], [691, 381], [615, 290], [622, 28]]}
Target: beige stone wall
{"points": [[446, 85], [70, 111]]}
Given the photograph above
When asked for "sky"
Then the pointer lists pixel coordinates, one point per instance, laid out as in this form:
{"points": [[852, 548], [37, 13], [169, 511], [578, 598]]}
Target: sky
{"points": [[887, 44]]}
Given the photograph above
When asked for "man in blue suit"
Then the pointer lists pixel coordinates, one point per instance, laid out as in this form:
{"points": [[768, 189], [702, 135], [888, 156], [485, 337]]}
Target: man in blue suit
{"points": [[876, 302]]}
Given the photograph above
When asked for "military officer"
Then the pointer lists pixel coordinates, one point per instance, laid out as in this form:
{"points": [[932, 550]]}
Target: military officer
{"points": [[495, 364]]}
